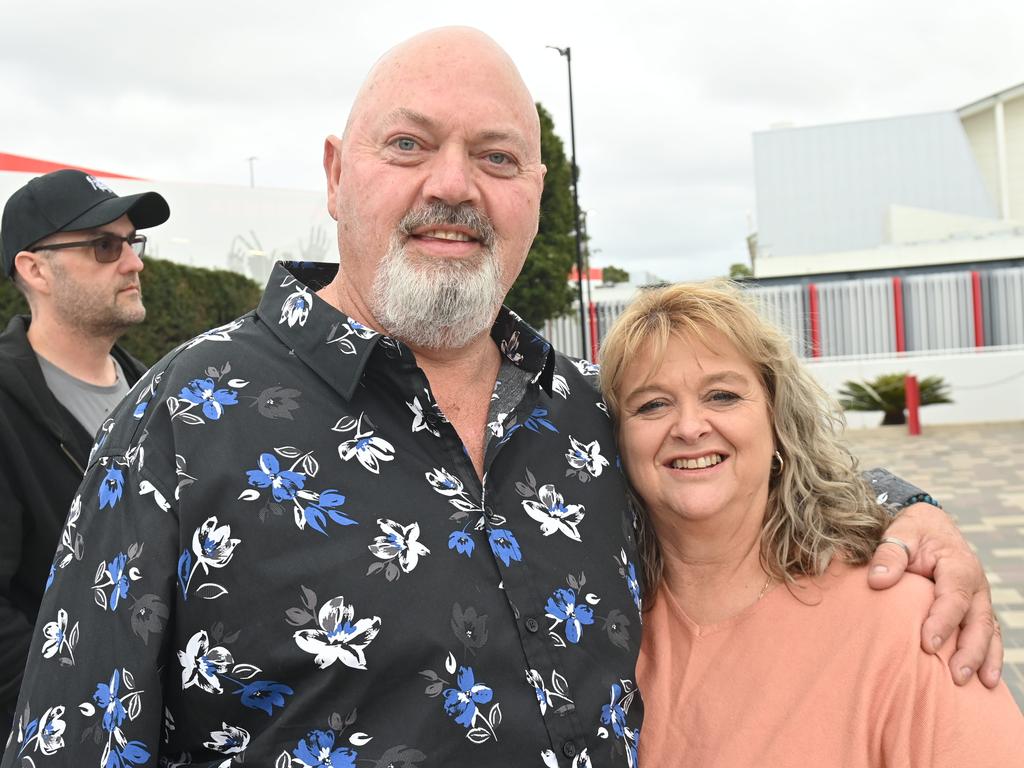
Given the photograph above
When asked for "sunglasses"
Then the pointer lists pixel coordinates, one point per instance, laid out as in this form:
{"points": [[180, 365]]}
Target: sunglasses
{"points": [[105, 249]]}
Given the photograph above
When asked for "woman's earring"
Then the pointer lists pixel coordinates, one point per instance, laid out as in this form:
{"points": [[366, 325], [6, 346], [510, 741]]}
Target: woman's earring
{"points": [[778, 458]]}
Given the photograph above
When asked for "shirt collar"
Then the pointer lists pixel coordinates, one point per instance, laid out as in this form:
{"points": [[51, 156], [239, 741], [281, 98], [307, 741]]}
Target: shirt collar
{"points": [[338, 348]]}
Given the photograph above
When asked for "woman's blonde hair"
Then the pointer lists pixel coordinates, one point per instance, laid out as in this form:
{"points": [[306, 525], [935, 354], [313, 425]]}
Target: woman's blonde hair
{"points": [[818, 506]]}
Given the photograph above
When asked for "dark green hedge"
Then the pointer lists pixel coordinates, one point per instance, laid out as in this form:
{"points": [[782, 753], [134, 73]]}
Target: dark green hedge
{"points": [[180, 302]]}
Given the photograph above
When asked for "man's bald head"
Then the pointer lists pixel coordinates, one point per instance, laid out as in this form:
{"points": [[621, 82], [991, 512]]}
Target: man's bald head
{"points": [[436, 187], [447, 57]]}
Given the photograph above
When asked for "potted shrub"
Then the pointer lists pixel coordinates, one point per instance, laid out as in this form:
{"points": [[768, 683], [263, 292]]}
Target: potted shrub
{"points": [[886, 393]]}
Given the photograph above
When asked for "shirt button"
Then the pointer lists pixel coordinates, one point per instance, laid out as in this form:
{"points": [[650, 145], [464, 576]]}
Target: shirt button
{"points": [[532, 625], [569, 749]]}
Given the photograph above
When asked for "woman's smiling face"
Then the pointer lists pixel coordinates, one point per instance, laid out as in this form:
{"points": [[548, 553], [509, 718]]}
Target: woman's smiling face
{"points": [[695, 434]]}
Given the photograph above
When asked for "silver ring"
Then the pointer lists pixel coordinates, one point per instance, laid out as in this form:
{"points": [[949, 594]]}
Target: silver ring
{"points": [[899, 543]]}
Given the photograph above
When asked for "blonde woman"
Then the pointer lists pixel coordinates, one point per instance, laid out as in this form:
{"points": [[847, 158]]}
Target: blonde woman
{"points": [[763, 644]]}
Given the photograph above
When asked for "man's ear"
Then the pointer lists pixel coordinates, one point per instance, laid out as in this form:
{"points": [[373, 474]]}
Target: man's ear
{"points": [[332, 168], [33, 271]]}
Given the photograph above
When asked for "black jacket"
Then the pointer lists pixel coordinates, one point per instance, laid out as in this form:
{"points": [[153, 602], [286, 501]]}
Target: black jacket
{"points": [[43, 454]]}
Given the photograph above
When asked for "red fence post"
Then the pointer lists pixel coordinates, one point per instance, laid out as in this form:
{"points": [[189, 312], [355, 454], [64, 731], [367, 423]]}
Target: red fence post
{"points": [[897, 310], [812, 297], [913, 398], [979, 320], [593, 332]]}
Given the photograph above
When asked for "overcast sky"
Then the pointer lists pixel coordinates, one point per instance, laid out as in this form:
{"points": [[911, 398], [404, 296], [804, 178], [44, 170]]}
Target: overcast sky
{"points": [[667, 94]]}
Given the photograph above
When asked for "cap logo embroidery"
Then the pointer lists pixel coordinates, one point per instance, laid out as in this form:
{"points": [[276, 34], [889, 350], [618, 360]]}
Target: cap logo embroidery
{"points": [[97, 184]]}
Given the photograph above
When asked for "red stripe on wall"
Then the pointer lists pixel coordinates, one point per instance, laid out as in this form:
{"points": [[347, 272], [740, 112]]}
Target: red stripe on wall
{"points": [[20, 164]]}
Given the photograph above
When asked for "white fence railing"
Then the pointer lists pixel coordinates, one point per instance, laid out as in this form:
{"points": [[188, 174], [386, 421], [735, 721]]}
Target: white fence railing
{"points": [[866, 317]]}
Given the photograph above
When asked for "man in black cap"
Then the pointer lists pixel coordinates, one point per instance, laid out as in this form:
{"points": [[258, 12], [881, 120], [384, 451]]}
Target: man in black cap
{"points": [[71, 246]]}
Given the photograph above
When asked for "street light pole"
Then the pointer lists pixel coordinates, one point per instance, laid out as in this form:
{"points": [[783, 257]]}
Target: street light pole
{"points": [[567, 52], [252, 173]]}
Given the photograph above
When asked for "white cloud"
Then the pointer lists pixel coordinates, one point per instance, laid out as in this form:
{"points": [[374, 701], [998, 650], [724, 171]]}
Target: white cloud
{"points": [[667, 94]]}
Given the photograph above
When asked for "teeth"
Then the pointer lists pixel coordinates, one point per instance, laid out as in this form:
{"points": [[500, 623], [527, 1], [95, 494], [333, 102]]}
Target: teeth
{"points": [[443, 234], [698, 463]]}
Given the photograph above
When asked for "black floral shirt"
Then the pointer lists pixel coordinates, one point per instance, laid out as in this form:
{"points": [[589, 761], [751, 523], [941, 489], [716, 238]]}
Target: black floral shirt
{"points": [[281, 554]]}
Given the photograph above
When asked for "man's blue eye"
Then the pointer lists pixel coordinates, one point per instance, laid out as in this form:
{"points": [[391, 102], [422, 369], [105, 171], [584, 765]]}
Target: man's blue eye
{"points": [[498, 158], [405, 144]]}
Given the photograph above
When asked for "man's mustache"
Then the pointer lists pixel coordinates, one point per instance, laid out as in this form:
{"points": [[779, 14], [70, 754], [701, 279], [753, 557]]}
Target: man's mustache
{"points": [[438, 214]]}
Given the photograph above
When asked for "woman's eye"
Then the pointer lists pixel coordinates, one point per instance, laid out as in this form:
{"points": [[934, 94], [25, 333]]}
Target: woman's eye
{"points": [[651, 406], [720, 396], [405, 144]]}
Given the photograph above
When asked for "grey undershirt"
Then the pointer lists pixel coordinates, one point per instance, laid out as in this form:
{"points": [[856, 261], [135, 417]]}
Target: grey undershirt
{"points": [[88, 403]]}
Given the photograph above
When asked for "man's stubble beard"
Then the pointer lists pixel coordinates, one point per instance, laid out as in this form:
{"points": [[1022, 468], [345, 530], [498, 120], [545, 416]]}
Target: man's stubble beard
{"points": [[438, 303], [99, 311]]}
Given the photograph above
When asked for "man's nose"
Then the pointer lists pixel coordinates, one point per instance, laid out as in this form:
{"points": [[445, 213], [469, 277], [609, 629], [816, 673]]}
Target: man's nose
{"points": [[451, 177], [130, 261]]}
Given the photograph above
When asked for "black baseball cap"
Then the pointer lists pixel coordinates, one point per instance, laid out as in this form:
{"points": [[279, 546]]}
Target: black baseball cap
{"points": [[68, 201]]}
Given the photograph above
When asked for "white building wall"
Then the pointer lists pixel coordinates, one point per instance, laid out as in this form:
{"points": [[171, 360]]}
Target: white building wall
{"points": [[227, 227], [981, 135]]}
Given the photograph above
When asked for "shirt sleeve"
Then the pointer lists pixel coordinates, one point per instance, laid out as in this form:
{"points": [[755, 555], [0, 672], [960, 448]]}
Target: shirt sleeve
{"points": [[92, 688]]}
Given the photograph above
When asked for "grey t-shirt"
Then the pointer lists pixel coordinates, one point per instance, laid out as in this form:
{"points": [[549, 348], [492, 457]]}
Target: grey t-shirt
{"points": [[89, 403]]}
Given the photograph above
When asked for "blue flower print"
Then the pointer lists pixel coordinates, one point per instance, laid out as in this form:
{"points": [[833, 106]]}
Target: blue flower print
{"points": [[285, 483], [140, 409], [562, 606], [202, 392], [317, 751], [325, 506], [538, 418], [50, 577], [462, 703], [633, 584], [106, 698], [264, 695], [111, 487], [132, 753], [118, 578], [612, 713], [462, 543], [504, 545]]}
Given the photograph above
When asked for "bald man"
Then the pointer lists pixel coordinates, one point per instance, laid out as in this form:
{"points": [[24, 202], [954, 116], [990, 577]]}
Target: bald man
{"points": [[374, 522]]}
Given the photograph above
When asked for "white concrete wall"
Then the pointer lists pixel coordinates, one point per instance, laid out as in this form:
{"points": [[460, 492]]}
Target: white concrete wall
{"points": [[227, 227], [986, 385]]}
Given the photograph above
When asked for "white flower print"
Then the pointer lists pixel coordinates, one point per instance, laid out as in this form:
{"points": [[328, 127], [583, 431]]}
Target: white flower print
{"points": [[296, 307], [444, 482], [423, 417], [586, 367], [213, 545], [221, 333], [554, 514], [510, 348], [560, 386], [586, 456], [339, 639], [369, 449], [58, 638], [401, 541], [51, 730], [231, 740], [201, 664]]}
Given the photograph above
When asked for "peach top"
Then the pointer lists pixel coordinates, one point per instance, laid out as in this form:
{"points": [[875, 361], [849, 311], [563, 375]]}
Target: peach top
{"points": [[840, 682]]}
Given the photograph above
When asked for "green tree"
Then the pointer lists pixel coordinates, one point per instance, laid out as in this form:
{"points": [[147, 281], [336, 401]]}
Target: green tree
{"points": [[887, 394], [739, 271], [614, 275], [542, 290]]}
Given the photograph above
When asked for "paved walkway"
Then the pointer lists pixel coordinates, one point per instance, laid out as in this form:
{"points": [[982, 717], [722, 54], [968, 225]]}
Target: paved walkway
{"points": [[977, 472]]}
